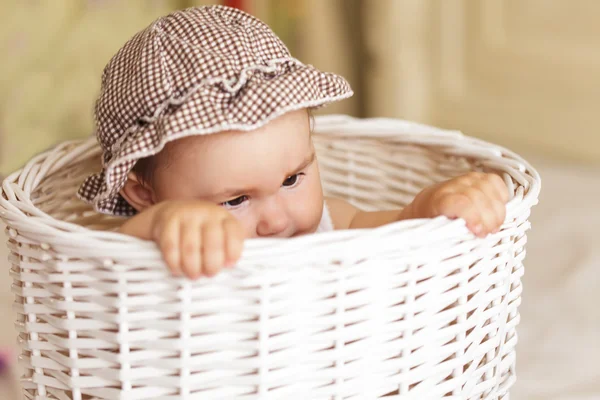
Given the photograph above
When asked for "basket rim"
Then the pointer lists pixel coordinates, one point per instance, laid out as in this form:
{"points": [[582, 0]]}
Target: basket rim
{"points": [[339, 242]]}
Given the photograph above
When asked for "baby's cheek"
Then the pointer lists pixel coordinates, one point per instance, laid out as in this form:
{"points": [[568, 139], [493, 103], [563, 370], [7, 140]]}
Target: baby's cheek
{"points": [[249, 229], [310, 213]]}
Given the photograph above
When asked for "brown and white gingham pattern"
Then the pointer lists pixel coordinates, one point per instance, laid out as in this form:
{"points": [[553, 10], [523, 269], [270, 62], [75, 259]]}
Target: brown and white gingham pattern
{"points": [[197, 71]]}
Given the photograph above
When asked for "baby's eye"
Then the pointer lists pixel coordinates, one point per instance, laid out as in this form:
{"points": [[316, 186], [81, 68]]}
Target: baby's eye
{"points": [[292, 180], [238, 201]]}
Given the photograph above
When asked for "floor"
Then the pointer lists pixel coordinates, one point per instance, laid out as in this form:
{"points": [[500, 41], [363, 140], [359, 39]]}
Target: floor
{"points": [[559, 336]]}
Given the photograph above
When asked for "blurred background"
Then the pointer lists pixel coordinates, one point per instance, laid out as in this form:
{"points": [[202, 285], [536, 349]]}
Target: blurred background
{"points": [[521, 73]]}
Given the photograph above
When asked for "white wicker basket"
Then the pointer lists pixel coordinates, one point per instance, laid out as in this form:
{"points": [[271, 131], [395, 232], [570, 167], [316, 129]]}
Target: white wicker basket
{"points": [[417, 309]]}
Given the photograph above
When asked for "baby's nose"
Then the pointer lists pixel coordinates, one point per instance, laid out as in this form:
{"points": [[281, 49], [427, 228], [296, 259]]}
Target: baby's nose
{"points": [[274, 222]]}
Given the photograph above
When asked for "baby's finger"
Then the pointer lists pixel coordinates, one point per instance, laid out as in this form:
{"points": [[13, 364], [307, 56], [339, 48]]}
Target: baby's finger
{"points": [[472, 217], [494, 186], [451, 205], [191, 257], [486, 209], [234, 241], [459, 205], [213, 250], [168, 242]]}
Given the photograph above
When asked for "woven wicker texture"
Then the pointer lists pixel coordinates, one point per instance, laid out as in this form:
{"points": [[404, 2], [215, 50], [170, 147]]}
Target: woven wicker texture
{"points": [[418, 309]]}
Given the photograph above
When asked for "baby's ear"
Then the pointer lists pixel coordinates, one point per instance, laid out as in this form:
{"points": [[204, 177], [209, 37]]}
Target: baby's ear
{"points": [[139, 195]]}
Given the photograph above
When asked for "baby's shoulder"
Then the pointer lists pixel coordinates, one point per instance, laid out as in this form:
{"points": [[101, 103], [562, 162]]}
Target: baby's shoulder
{"points": [[342, 213]]}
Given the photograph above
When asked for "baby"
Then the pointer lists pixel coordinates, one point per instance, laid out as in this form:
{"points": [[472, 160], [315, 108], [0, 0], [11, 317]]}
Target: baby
{"points": [[205, 122]]}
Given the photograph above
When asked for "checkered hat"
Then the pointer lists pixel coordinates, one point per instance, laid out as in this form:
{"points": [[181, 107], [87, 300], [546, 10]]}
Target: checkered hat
{"points": [[196, 71]]}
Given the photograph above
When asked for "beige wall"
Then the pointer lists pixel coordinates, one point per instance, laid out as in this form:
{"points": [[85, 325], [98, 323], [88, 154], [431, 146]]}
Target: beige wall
{"points": [[328, 46], [522, 73]]}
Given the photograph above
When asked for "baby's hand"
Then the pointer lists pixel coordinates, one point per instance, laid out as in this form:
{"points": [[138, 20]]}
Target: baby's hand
{"points": [[478, 198], [196, 238]]}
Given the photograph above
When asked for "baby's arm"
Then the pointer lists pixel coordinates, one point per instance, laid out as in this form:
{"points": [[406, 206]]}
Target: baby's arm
{"points": [[478, 198]]}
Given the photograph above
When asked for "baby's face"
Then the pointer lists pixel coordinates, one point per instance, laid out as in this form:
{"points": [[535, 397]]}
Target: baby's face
{"points": [[267, 178]]}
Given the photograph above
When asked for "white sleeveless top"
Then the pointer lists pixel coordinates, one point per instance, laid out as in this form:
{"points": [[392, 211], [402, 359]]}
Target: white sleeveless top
{"points": [[326, 224]]}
